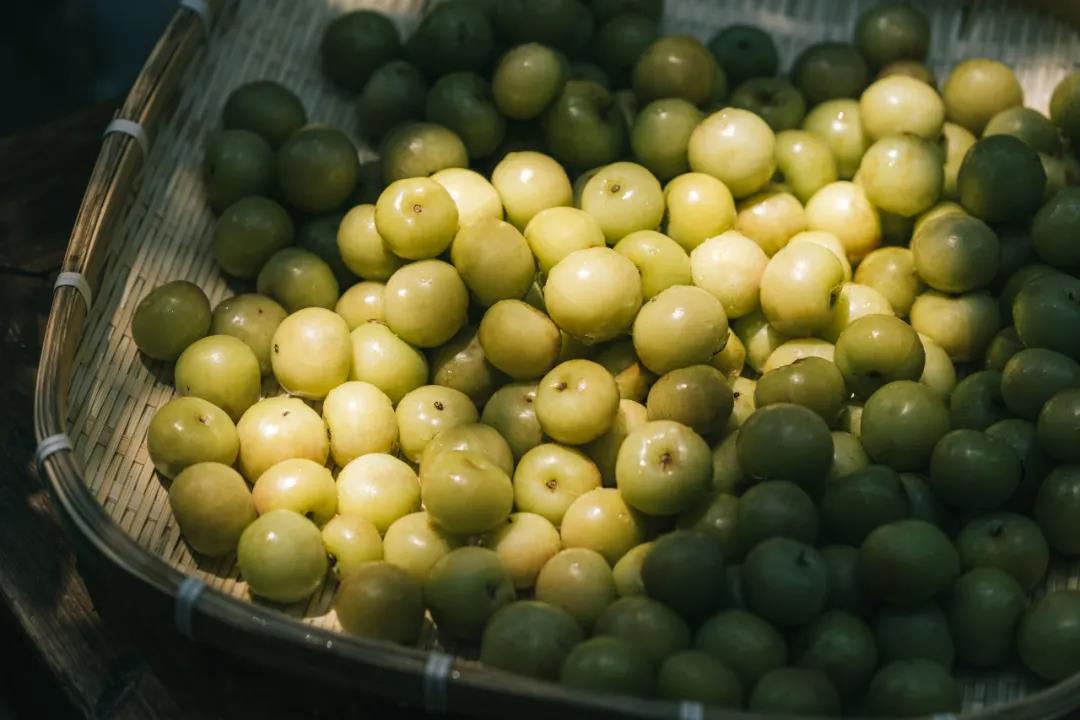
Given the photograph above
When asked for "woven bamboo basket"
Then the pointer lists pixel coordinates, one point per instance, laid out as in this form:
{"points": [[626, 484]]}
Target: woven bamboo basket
{"points": [[144, 220]]}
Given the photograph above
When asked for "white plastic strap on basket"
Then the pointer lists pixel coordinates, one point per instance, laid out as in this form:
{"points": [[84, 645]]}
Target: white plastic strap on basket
{"points": [[132, 129], [77, 281], [50, 446], [691, 711], [186, 597], [200, 8], [436, 673]]}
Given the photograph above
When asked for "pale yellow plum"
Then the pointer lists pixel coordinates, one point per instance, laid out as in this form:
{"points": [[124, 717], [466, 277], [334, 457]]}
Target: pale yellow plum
{"points": [[386, 361], [579, 581], [312, 352], [556, 232], [938, 373], [462, 365], [493, 260], [945, 207], [663, 468], [902, 174], [301, 485], [282, 557], [899, 104], [759, 338], [627, 572], [963, 325], [839, 124], [661, 261], [891, 271], [829, 241], [474, 437], [519, 340], [426, 303], [549, 477], [428, 410], [220, 369], [475, 197], [977, 90], [381, 601], [414, 543], [604, 450], [732, 359], [277, 429], [360, 419], [511, 411], [465, 493], [742, 391], [698, 207], [600, 520], [728, 476], [771, 219], [791, 350], [730, 267], [351, 541], [252, 318], [524, 544], [416, 218], [577, 402], [806, 162], [736, 147], [853, 302], [190, 430], [799, 288], [361, 303], [848, 456], [362, 249], [378, 487], [844, 210], [212, 505], [528, 182], [594, 294], [682, 326], [957, 141], [623, 197]]}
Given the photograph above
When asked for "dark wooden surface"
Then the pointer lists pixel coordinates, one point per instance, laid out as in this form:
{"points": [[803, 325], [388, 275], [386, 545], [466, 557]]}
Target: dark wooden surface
{"points": [[63, 662]]}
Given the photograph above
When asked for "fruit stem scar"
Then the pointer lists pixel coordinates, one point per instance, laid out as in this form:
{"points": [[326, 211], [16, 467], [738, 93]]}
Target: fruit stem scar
{"points": [[417, 207], [665, 461], [439, 405]]}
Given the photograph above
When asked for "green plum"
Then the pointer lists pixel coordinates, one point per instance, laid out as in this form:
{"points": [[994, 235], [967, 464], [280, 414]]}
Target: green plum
{"points": [[281, 556], [902, 174], [697, 396], [379, 488], [1034, 375], [393, 95], [190, 430], [984, 608], [476, 198], [804, 435], [425, 412], [529, 637], [464, 589], [238, 164], [386, 361], [845, 590], [663, 468], [662, 262], [977, 90], [973, 471], [892, 31], [844, 210], [830, 70], [419, 149], [775, 508], [839, 124], [453, 36], [360, 419], [528, 182], [609, 665], [416, 218], [381, 601], [805, 162], [361, 303], [812, 382], [963, 325], [222, 370], [1029, 125], [624, 197], [580, 582], [212, 505], [415, 543], [526, 80], [593, 294], [317, 168], [553, 233], [583, 127], [248, 233], [771, 218], [840, 645], [699, 207], [736, 147], [1056, 507], [298, 279], [776, 100], [511, 411], [876, 350], [1001, 180], [361, 247], [696, 676], [170, 318], [266, 108], [355, 44], [976, 402], [1047, 314], [463, 102], [600, 520], [1065, 106], [675, 66], [744, 52], [426, 303], [1047, 638], [493, 260], [351, 541], [745, 642], [661, 134], [907, 561], [914, 632], [854, 505], [646, 623], [898, 104], [620, 41], [785, 581], [1054, 228], [910, 688], [684, 570], [300, 485]]}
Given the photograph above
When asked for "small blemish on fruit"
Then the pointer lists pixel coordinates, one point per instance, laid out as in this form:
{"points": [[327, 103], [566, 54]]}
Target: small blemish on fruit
{"points": [[439, 405]]}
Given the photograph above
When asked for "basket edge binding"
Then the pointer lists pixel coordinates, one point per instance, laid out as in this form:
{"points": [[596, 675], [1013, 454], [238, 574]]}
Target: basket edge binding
{"points": [[426, 679]]}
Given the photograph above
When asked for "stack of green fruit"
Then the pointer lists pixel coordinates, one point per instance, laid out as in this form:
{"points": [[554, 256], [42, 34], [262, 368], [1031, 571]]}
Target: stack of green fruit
{"points": [[668, 403]]}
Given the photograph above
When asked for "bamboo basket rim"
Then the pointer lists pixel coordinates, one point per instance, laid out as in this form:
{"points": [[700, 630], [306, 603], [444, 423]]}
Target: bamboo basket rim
{"points": [[468, 683]]}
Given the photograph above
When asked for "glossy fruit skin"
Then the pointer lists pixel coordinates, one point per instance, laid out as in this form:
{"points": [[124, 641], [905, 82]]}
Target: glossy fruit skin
{"points": [[351, 541], [891, 32], [212, 506], [1021, 435], [1054, 225], [310, 352], [907, 561], [745, 642], [977, 90], [1001, 180], [317, 168], [771, 218], [526, 80], [661, 133], [300, 485], [900, 104], [282, 557], [361, 247], [355, 44], [876, 350], [909, 688], [169, 318], [684, 570], [238, 164], [1033, 376], [464, 589], [956, 253], [842, 209], [524, 544], [419, 149], [600, 520], [736, 147], [663, 468], [414, 543], [266, 422], [519, 339], [1047, 638], [1029, 125], [378, 487], [803, 434], [529, 637], [812, 382], [266, 108], [681, 326], [248, 233], [416, 218], [914, 632], [698, 677], [794, 691], [798, 286], [1056, 506], [984, 607], [902, 174], [806, 162], [298, 279], [381, 601], [425, 303], [222, 370], [675, 66], [662, 262], [829, 70], [1047, 313], [840, 645], [190, 430], [593, 294], [251, 318], [361, 303], [386, 361], [576, 402], [579, 581], [494, 260], [963, 325], [845, 591], [624, 197], [529, 182], [453, 36], [839, 124], [609, 665], [853, 506]]}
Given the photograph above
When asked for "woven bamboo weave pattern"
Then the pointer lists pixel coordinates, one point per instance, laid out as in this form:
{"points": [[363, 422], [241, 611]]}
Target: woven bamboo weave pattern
{"points": [[166, 233]]}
